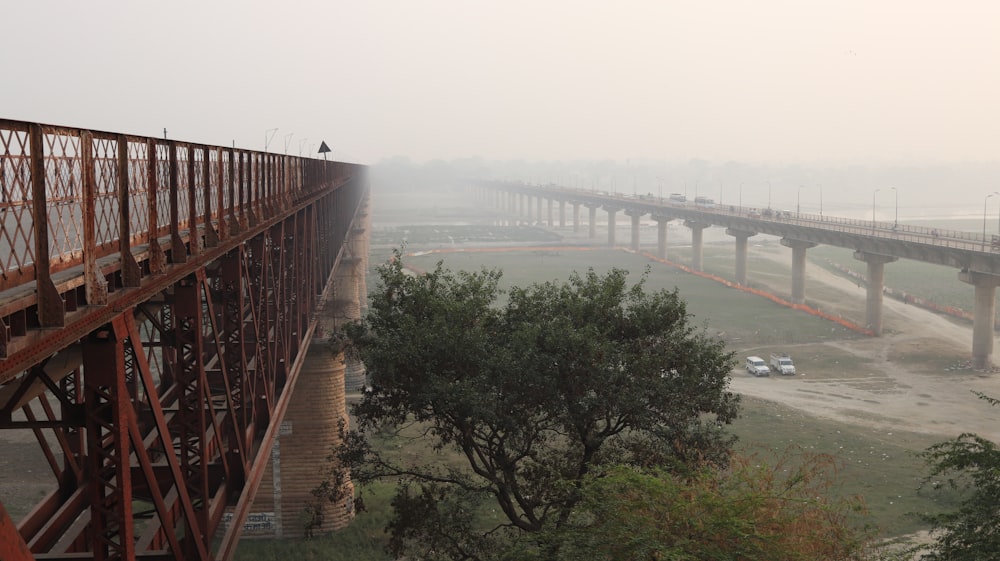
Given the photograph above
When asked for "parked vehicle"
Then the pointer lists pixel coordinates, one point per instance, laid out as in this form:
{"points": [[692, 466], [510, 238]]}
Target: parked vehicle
{"points": [[757, 366], [782, 364]]}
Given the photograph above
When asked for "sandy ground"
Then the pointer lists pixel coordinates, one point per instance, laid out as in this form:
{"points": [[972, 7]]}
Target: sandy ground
{"points": [[886, 394]]}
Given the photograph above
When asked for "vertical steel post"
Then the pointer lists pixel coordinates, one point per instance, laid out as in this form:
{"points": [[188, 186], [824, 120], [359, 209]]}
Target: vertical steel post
{"points": [[131, 275], [51, 310], [95, 285]]}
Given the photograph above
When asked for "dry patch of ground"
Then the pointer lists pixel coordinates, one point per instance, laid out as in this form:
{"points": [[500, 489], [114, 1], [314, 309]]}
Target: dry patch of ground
{"points": [[910, 378]]}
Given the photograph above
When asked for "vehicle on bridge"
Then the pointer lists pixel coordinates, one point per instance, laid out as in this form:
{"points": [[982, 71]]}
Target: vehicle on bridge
{"points": [[678, 198], [704, 201]]}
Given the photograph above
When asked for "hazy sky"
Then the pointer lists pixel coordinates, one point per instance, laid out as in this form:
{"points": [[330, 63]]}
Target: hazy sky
{"points": [[750, 80]]}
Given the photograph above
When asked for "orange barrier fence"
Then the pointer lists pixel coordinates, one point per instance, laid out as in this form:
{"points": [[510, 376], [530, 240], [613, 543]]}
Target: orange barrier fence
{"points": [[903, 296]]}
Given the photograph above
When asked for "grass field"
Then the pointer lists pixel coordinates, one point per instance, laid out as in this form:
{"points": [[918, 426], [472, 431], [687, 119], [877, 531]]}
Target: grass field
{"points": [[880, 466]]}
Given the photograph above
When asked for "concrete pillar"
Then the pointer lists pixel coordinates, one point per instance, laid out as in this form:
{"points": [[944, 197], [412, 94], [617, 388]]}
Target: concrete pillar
{"points": [[661, 236], [984, 316], [538, 207], [611, 226], [697, 245], [550, 213], [635, 215], [593, 221], [576, 218], [741, 253], [799, 248], [876, 285], [562, 214]]}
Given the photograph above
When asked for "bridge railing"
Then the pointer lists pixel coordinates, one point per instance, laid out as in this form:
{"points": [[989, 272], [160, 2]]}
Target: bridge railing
{"points": [[67, 193]]}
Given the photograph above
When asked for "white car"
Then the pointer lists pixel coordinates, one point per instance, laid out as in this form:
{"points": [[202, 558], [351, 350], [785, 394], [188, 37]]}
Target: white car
{"points": [[757, 366]]}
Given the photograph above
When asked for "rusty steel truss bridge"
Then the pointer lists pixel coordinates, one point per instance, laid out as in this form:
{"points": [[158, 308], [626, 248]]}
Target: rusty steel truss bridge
{"points": [[156, 299]]}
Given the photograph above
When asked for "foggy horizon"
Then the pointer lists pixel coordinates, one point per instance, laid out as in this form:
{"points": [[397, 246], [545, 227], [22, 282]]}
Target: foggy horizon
{"points": [[848, 98], [818, 83]]}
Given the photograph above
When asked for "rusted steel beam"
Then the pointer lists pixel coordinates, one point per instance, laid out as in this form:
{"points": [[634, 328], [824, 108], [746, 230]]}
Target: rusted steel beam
{"points": [[51, 312], [109, 483], [157, 259], [194, 241], [193, 533], [12, 545], [190, 417], [211, 233], [131, 276], [178, 253], [94, 281]]}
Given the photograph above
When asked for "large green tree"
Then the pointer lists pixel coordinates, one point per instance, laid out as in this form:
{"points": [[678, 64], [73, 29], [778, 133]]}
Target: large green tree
{"points": [[969, 464], [538, 389]]}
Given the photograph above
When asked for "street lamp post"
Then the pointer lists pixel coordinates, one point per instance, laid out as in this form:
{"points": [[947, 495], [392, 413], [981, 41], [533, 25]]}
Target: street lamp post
{"points": [[895, 220], [821, 200], [984, 216], [769, 194], [268, 135], [873, 207], [798, 199], [741, 197]]}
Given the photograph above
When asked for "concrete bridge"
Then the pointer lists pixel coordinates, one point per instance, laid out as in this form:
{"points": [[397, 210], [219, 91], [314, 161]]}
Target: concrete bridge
{"points": [[876, 243]]}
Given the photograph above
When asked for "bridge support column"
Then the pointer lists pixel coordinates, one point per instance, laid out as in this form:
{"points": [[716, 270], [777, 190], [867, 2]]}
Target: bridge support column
{"points": [[576, 218], [799, 248], [635, 215], [562, 214], [741, 253], [984, 314], [550, 212], [876, 285], [697, 245], [538, 208], [611, 225], [661, 236], [593, 221]]}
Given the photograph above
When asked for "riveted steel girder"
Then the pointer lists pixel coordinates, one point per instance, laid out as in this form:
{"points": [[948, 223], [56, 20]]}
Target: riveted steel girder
{"points": [[156, 299]]}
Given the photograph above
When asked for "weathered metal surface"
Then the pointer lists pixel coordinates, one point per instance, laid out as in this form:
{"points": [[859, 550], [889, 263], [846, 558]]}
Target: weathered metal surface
{"points": [[183, 280]]}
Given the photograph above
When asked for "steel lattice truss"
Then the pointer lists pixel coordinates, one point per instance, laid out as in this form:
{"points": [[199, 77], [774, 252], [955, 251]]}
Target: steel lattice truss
{"points": [[157, 298]]}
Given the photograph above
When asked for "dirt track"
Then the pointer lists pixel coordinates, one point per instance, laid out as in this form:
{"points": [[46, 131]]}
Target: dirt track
{"points": [[887, 393]]}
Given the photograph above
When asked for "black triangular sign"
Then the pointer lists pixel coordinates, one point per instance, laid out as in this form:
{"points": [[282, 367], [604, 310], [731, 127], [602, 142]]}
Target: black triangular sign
{"points": [[323, 148]]}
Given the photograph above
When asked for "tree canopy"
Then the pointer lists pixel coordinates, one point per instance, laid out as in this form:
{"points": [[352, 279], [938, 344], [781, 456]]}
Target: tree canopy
{"points": [[969, 464], [535, 391]]}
